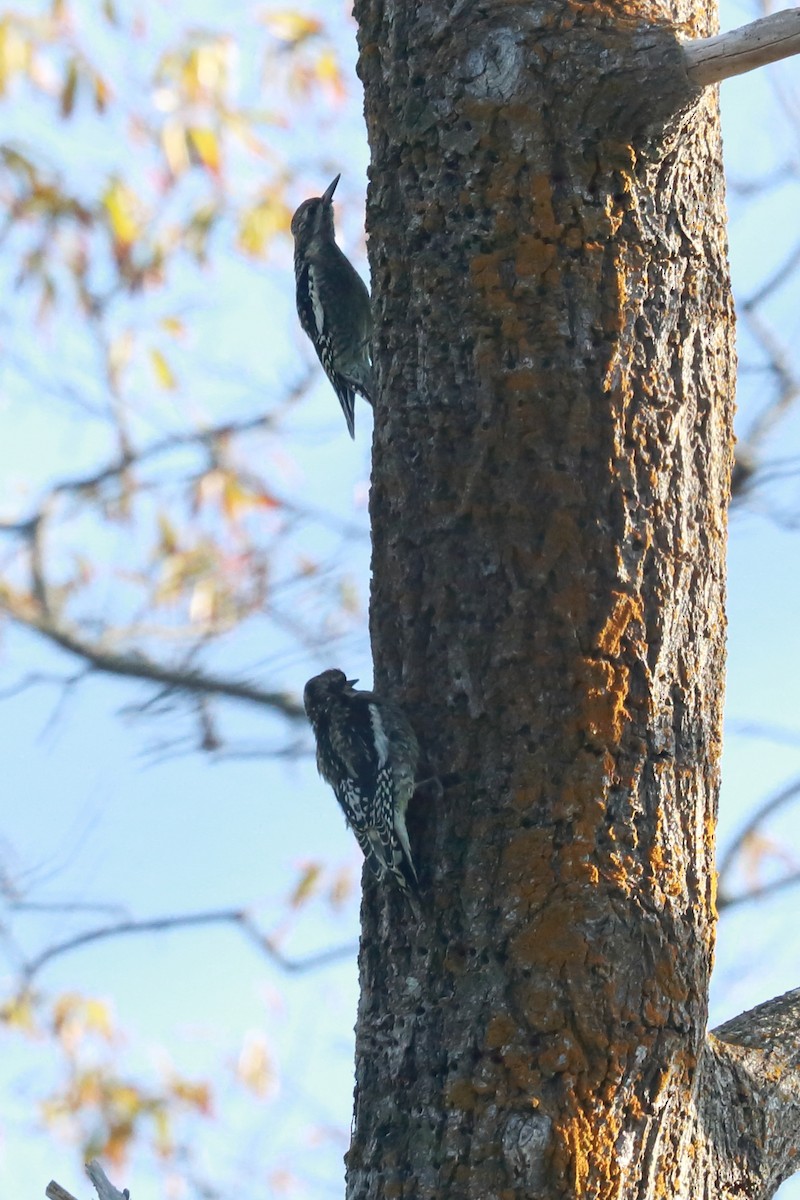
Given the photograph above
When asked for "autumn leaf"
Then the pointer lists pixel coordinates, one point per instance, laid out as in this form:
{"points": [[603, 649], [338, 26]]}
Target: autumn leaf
{"points": [[196, 1096], [15, 53], [168, 540], [162, 370], [124, 212], [204, 144], [19, 1013], [173, 326], [238, 499], [291, 27], [254, 1067], [259, 224], [306, 886], [329, 75], [102, 92], [69, 90], [174, 145]]}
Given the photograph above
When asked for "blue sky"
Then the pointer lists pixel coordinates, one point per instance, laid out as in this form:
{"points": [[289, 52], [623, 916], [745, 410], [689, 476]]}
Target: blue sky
{"points": [[95, 820]]}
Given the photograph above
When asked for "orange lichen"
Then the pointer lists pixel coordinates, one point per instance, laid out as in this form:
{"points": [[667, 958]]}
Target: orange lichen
{"points": [[669, 880], [525, 862], [485, 271], [461, 1094], [626, 608], [523, 381], [526, 797], [552, 938], [523, 1070], [541, 1005], [501, 1029], [544, 217], [533, 256], [603, 713]]}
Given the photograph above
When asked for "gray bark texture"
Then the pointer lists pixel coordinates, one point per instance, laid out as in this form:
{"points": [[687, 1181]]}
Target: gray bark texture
{"points": [[551, 465]]}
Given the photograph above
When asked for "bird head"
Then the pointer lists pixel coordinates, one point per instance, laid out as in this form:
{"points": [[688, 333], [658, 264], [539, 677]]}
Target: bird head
{"points": [[321, 688], [314, 218]]}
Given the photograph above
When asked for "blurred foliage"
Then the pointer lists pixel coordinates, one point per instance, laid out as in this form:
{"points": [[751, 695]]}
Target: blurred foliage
{"points": [[148, 170], [147, 161]]}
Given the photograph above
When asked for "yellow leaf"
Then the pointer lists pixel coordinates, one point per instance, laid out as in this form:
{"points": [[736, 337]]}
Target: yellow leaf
{"points": [[195, 1095], [124, 212], [163, 1133], [173, 143], [18, 1013], [328, 72], [98, 1017], [167, 536], [236, 498], [173, 325], [254, 1067], [205, 69], [163, 371], [15, 53], [259, 225], [198, 228], [102, 92], [127, 1101], [291, 27], [115, 1148], [69, 90], [306, 885], [204, 144], [341, 888]]}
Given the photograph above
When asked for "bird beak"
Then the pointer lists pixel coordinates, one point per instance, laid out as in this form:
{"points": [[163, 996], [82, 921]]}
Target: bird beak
{"points": [[351, 682], [327, 195]]}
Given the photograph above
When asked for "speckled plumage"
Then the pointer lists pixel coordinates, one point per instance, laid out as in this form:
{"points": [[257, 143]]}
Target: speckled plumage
{"points": [[368, 753]]}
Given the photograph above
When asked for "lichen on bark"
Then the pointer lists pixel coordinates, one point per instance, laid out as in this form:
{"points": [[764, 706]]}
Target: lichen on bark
{"points": [[551, 467]]}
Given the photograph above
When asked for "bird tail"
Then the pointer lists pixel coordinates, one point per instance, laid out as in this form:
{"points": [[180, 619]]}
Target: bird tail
{"points": [[347, 399]]}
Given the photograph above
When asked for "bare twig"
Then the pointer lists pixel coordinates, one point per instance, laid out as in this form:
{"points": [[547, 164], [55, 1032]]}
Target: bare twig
{"points": [[760, 892], [237, 917], [136, 665], [781, 735], [728, 860], [102, 1185], [54, 1191], [775, 281], [709, 60], [781, 366]]}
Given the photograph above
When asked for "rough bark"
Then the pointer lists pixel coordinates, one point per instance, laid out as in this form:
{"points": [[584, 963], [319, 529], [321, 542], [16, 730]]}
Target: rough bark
{"points": [[550, 481]]}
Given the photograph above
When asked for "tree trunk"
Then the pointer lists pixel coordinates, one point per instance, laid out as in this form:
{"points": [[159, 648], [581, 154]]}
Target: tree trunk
{"points": [[550, 481]]}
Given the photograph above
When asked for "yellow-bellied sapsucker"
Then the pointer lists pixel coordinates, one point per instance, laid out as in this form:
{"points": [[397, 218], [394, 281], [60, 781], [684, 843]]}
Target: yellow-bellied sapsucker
{"points": [[368, 753], [333, 303]]}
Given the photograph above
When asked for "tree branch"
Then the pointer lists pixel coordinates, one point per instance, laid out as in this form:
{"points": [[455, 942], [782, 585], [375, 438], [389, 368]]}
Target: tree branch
{"points": [[237, 917], [749, 1099], [763, 1027], [728, 860], [102, 1185], [709, 60], [136, 665]]}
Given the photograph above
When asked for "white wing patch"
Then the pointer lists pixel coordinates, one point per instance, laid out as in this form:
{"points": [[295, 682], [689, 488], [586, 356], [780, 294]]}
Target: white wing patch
{"points": [[316, 302], [379, 734]]}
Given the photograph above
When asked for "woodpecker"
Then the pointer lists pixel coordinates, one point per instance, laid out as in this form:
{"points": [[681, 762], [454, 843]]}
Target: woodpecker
{"points": [[333, 303], [368, 753]]}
